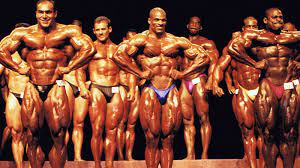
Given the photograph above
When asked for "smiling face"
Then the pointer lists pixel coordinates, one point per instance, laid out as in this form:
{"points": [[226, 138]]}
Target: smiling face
{"points": [[194, 25], [274, 19], [45, 14], [157, 21]]}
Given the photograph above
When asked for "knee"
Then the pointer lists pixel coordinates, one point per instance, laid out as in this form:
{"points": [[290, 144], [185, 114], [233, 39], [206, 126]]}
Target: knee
{"points": [[204, 118]]}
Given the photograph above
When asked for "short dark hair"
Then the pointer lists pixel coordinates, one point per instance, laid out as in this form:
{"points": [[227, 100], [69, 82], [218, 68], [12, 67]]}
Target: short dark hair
{"points": [[103, 18], [51, 1], [22, 25]]}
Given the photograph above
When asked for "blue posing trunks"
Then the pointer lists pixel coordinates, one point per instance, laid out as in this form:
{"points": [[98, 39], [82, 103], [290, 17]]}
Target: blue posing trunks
{"points": [[162, 94]]}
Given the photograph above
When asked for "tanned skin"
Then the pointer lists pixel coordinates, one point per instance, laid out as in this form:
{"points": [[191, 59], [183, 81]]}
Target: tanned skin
{"points": [[198, 95], [131, 114], [276, 106], [245, 79], [46, 63], [105, 112], [160, 117]]}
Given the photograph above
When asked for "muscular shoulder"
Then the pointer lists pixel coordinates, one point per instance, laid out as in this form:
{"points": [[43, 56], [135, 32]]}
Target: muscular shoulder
{"points": [[209, 44], [138, 40], [71, 30], [17, 34], [183, 42]]}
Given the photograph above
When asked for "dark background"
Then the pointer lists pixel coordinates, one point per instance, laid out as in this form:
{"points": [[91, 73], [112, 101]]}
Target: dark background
{"points": [[220, 19]]}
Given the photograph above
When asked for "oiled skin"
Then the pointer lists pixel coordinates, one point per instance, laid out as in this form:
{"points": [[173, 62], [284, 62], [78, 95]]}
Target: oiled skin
{"points": [[276, 116], [47, 61], [157, 52]]}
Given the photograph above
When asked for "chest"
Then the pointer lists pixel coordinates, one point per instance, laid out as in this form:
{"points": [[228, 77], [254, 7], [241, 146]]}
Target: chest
{"points": [[104, 52], [167, 47], [56, 39]]}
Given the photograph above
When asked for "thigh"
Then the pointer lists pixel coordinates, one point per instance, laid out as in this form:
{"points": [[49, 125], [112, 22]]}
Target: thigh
{"points": [[289, 111], [187, 103], [57, 109], [13, 113], [97, 108], [134, 112], [32, 113], [150, 111], [171, 113], [244, 110], [115, 111], [266, 106], [71, 98], [81, 107], [200, 97]]}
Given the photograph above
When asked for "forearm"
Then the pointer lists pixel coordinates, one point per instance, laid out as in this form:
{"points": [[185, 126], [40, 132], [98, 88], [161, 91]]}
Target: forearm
{"points": [[6, 60], [84, 55], [80, 77], [126, 64], [228, 78], [194, 68], [132, 82], [239, 53], [221, 66]]}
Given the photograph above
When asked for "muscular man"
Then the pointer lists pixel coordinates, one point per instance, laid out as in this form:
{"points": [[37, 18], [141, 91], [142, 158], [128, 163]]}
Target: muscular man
{"points": [[81, 103], [16, 86], [193, 92], [47, 61], [276, 104], [288, 27], [159, 106], [130, 110], [107, 106], [245, 79]]}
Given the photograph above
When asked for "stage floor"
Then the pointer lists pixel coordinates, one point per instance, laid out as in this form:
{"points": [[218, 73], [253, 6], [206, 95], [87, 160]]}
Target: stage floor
{"points": [[210, 163]]}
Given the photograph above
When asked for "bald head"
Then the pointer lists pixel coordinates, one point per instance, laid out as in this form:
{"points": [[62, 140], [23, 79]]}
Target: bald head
{"points": [[250, 23], [156, 10], [157, 20], [270, 11], [273, 19]]}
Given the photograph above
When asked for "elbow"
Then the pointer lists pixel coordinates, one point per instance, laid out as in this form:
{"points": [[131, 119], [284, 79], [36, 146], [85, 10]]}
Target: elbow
{"points": [[91, 51]]}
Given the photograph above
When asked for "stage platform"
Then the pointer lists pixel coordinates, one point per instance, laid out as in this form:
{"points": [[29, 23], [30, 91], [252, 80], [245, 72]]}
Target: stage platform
{"points": [[210, 163]]}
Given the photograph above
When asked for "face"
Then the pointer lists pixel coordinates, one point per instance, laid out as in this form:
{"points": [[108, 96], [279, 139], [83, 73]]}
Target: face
{"points": [[157, 22], [250, 24], [194, 25], [45, 14], [130, 34], [102, 31], [274, 19]]}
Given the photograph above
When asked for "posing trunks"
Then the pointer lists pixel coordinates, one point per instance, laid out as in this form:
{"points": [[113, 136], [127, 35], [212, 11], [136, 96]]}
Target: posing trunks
{"points": [[190, 83], [43, 90], [75, 89], [18, 96], [250, 93], [278, 90], [108, 91], [162, 94]]}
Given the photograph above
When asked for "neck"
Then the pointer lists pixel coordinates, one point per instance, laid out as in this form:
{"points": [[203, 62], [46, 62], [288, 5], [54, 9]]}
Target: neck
{"points": [[274, 31], [47, 29], [193, 36], [157, 35], [105, 42]]}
